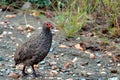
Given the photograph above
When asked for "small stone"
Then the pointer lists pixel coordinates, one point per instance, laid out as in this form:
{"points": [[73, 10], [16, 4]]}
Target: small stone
{"points": [[113, 78], [41, 68], [51, 49], [53, 73], [53, 63], [29, 70], [42, 62], [62, 54], [14, 75], [1, 36], [1, 58], [82, 79], [92, 56], [98, 61], [9, 32], [69, 79], [7, 71], [54, 67], [99, 65]]}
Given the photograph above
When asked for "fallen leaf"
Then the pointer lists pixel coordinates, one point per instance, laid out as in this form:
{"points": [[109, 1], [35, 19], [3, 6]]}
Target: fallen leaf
{"points": [[68, 64], [62, 46], [10, 16], [14, 75], [53, 73], [29, 28], [80, 46], [20, 28], [35, 13], [92, 56], [116, 58]]}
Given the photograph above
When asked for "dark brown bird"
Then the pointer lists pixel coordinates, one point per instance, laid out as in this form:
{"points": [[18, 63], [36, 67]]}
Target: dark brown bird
{"points": [[34, 50]]}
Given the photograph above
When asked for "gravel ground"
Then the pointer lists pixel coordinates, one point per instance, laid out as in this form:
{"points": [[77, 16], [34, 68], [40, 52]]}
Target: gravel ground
{"points": [[79, 58]]}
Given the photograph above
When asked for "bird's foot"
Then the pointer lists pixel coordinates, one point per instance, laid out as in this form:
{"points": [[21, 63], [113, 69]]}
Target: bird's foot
{"points": [[25, 74], [36, 75]]}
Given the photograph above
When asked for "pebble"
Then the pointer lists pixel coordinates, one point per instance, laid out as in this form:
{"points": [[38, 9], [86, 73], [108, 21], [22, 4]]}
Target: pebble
{"points": [[51, 49], [42, 62], [1, 58], [42, 68], [8, 71], [53, 63], [113, 78], [98, 61], [29, 70], [82, 79]]}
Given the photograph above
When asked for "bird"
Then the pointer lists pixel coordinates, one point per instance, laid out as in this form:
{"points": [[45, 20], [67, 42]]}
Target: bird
{"points": [[35, 49]]}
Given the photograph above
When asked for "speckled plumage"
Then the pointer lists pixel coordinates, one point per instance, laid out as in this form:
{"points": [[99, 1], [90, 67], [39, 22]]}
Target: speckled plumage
{"points": [[34, 50]]}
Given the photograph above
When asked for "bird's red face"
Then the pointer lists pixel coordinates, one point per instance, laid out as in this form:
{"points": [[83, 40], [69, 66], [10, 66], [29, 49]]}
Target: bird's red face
{"points": [[48, 25]]}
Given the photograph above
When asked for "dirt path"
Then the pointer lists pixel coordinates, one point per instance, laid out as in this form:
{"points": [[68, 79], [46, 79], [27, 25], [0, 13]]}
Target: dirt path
{"points": [[80, 58]]}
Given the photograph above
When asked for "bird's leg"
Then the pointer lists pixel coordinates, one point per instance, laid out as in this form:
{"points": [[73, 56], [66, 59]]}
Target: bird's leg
{"points": [[34, 72], [23, 71]]}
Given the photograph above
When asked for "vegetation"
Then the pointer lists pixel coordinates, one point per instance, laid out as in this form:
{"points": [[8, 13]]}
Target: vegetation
{"points": [[73, 15]]}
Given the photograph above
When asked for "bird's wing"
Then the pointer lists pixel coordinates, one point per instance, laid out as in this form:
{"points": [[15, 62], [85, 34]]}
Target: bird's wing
{"points": [[28, 49]]}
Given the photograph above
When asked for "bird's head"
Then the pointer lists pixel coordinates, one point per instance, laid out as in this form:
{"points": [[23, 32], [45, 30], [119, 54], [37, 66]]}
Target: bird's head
{"points": [[47, 25]]}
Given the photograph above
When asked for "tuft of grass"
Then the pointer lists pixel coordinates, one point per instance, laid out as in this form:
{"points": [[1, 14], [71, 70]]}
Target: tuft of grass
{"points": [[71, 18]]}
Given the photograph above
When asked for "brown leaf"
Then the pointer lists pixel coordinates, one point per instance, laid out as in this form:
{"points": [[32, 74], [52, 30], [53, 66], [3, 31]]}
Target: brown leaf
{"points": [[116, 58], [62, 46], [20, 28], [10, 16], [80, 46], [53, 73], [92, 56], [29, 28], [68, 64]]}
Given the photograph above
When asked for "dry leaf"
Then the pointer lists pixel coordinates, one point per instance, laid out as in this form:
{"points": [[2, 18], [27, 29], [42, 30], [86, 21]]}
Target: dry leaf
{"points": [[35, 13], [10, 16], [77, 46], [92, 56], [14, 75], [80, 46], [29, 28], [68, 64], [20, 28], [116, 58], [53, 73], [62, 46]]}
